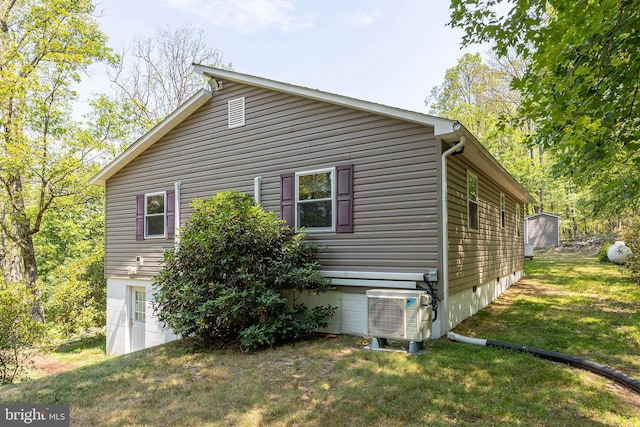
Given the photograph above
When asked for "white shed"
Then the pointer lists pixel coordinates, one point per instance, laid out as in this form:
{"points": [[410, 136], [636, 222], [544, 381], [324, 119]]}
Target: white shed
{"points": [[542, 230]]}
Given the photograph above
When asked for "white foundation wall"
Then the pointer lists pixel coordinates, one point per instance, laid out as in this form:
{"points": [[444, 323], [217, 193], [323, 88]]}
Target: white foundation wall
{"points": [[467, 303], [119, 321], [351, 315]]}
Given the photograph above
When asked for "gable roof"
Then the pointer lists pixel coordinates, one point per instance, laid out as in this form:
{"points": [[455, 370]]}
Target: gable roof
{"points": [[542, 214], [450, 131]]}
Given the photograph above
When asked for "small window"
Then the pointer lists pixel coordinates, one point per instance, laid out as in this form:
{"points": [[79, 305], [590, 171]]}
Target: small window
{"points": [[139, 307], [236, 113], [154, 215], [315, 200], [517, 220], [503, 212], [472, 201]]}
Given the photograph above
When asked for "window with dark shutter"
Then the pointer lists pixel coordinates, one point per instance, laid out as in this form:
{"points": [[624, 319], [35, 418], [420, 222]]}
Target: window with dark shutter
{"points": [[318, 200], [155, 215]]}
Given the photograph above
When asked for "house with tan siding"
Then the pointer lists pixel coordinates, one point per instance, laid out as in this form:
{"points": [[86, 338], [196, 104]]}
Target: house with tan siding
{"points": [[406, 194]]}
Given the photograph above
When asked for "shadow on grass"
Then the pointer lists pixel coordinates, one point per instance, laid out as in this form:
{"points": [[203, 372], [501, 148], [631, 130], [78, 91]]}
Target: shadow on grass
{"points": [[570, 306], [328, 381]]}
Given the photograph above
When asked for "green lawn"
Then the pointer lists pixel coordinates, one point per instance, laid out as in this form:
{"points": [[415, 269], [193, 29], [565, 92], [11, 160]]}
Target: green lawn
{"points": [[567, 303]]}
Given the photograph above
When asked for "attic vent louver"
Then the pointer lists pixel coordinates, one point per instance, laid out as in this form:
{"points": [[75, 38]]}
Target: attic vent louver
{"points": [[236, 113]]}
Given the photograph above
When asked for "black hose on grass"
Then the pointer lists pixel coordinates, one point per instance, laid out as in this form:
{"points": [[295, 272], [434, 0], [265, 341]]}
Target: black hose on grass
{"points": [[605, 371]]}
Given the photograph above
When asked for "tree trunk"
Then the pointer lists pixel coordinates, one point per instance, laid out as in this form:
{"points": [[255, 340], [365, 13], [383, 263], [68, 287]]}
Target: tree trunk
{"points": [[22, 236], [13, 263], [31, 279]]}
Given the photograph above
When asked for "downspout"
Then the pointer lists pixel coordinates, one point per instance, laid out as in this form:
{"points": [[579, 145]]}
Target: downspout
{"points": [[177, 186], [444, 310]]}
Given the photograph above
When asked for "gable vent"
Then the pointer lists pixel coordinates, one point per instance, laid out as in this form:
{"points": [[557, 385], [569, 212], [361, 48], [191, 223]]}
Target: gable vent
{"points": [[236, 113]]}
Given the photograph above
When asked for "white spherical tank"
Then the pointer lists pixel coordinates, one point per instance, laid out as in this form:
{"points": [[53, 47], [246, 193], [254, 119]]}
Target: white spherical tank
{"points": [[618, 253]]}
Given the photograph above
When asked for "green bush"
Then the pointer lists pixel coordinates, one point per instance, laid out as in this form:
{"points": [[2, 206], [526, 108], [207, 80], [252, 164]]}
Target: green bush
{"points": [[77, 300], [631, 238], [18, 331], [236, 276], [604, 249]]}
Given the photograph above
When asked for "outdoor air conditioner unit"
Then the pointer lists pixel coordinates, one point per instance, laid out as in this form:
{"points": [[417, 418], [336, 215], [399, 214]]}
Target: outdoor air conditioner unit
{"points": [[399, 314]]}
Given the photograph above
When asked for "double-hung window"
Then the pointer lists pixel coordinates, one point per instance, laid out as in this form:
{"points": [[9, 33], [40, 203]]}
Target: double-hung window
{"points": [[315, 200], [472, 201], [154, 215]]}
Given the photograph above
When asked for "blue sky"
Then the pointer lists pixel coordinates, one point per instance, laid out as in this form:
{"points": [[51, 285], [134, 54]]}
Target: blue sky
{"points": [[387, 51]]}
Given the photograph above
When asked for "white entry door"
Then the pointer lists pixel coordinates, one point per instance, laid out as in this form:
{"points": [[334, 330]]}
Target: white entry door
{"points": [[137, 317]]}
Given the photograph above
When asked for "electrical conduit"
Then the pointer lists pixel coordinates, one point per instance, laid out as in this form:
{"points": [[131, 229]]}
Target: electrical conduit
{"points": [[605, 371]]}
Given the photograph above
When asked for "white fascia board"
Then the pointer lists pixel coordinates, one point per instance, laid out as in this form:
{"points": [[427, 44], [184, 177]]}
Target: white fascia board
{"points": [[542, 214], [148, 139], [440, 125]]}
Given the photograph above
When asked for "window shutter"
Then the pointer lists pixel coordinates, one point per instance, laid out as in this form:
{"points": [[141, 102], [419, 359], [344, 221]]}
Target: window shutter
{"points": [[344, 199], [170, 204], [287, 198], [140, 217]]}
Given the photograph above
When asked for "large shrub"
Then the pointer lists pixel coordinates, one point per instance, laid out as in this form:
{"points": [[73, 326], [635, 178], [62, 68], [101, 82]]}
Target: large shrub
{"points": [[18, 332], [236, 275]]}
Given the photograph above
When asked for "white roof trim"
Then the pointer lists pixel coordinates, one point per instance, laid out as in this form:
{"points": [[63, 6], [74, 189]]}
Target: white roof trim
{"points": [[440, 125], [540, 214], [148, 139]]}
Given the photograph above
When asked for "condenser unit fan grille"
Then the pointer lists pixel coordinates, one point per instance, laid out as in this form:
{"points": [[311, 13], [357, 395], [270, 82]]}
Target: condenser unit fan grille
{"points": [[386, 317]]}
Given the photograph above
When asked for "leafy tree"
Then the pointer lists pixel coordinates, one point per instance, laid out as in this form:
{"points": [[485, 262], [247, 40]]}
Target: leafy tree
{"points": [[78, 297], [465, 95], [19, 332], [236, 275], [44, 46], [151, 80], [478, 95], [581, 85]]}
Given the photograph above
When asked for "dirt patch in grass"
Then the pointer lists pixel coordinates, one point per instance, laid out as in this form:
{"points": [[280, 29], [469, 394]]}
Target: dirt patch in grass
{"points": [[51, 366]]}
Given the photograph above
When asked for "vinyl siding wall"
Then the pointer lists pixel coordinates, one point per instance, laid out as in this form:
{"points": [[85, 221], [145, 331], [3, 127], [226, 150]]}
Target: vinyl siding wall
{"points": [[491, 253], [543, 230], [395, 177]]}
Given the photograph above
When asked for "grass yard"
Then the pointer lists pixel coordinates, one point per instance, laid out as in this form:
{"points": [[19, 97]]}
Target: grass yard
{"points": [[567, 303]]}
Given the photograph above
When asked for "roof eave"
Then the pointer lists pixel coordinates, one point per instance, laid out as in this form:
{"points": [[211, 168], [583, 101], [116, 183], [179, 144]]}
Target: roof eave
{"points": [[440, 125]]}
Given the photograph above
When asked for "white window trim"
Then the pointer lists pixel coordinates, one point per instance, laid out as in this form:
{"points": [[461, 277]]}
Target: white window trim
{"points": [[332, 171], [477, 202], [503, 211], [517, 219], [164, 215]]}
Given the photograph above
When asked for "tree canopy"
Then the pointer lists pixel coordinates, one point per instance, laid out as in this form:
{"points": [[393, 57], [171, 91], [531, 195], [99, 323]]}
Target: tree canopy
{"points": [[581, 86], [44, 47]]}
